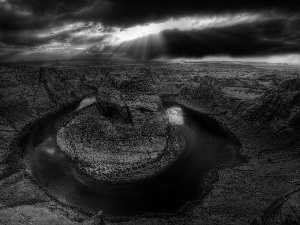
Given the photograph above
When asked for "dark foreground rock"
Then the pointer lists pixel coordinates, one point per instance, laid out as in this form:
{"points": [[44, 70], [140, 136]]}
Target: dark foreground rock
{"points": [[284, 210]]}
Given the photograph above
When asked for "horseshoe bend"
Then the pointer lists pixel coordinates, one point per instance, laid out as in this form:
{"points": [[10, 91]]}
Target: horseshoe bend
{"points": [[119, 140], [135, 144]]}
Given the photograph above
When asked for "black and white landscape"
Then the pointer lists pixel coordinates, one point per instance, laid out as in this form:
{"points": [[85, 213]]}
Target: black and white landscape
{"points": [[149, 112]]}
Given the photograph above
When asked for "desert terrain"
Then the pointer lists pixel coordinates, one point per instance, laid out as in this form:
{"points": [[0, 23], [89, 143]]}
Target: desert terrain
{"points": [[256, 105]]}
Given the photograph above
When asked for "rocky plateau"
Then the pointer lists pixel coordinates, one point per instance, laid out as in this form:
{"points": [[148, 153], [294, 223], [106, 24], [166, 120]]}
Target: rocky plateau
{"points": [[258, 105]]}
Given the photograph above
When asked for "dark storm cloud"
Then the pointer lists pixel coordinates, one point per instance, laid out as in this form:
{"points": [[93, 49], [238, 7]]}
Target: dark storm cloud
{"points": [[29, 14], [29, 39], [132, 12], [23, 23], [26, 39], [272, 36]]}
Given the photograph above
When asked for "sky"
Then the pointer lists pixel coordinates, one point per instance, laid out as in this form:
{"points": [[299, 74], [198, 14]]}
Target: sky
{"points": [[253, 30]]}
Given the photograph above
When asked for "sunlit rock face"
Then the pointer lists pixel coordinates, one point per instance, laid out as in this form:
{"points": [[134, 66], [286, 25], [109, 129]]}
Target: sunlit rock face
{"points": [[175, 115], [86, 102], [122, 138]]}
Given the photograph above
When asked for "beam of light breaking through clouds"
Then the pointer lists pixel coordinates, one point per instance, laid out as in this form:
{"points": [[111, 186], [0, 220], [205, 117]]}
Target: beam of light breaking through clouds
{"points": [[30, 30], [118, 35], [240, 35], [184, 24]]}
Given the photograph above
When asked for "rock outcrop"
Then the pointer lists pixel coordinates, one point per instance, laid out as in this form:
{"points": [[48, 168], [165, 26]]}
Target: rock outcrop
{"points": [[284, 210], [124, 137], [278, 108]]}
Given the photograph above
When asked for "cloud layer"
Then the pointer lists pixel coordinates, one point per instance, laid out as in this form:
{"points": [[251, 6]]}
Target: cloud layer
{"points": [[148, 29]]}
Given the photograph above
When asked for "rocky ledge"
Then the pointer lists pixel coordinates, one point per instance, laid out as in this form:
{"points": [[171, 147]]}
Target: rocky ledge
{"points": [[124, 137]]}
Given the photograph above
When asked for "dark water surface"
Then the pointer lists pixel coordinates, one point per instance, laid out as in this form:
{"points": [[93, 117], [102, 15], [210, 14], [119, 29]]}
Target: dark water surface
{"points": [[207, 147]]}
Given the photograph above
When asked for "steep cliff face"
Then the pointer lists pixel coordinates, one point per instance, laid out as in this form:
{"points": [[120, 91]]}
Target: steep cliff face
{"points": [[110, 103]]}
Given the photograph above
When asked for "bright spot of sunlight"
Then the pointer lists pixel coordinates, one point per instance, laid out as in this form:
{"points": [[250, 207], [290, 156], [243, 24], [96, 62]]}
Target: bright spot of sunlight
{"points": [[175, 115], [86, 102], [50, 151]]}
